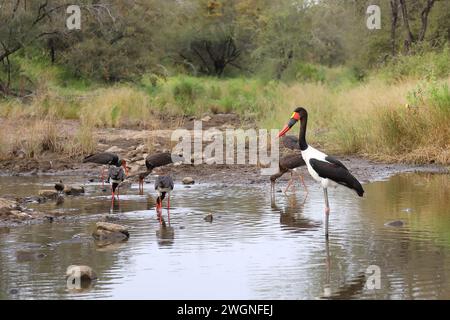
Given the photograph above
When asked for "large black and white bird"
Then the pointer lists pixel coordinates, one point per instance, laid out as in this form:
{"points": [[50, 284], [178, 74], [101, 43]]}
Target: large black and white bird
{"points": [[326, 170], [155, 161], [163, 186], [106, 159], [290, 163]]}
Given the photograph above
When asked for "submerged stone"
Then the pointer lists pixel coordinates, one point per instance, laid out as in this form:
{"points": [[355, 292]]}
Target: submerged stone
{"points": [[188, 181], [395, 224], [209, 218], [110, 232]]}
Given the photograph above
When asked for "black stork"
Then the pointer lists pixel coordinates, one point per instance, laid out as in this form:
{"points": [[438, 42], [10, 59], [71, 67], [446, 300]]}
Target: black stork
{"points": [[326, 170], [116, 175], [290, 142], [106, 159], [60, 187], [155, 161], [163, 185], [289, 163]]}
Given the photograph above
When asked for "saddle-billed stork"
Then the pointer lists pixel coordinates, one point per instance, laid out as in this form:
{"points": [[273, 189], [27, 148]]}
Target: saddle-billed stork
{"points": [[163, 185], [106, 159], [155, 161], [289, 163], [326, 170]]}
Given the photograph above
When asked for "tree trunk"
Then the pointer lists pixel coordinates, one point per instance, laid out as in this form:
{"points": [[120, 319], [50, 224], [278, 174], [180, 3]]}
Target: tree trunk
{"points": [[409, 36], [394, 22], [51, 45], [424, 18]]}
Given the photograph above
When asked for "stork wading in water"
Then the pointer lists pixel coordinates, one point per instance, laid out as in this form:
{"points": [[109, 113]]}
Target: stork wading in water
{"points": [[155, 161], [163, 186], [116, 175], [106, 159], [289, 163], [326, 170]]}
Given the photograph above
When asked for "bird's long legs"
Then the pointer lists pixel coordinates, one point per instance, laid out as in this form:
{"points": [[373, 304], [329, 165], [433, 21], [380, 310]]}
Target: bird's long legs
{"points": [[103, 177], [141, 187], [289, 184], [168, 208], [303, 183], [327, 211], [112, 198]]}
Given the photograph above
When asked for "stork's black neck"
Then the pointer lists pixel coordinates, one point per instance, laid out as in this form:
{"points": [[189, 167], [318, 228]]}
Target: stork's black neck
{"points": [[302, 136]]}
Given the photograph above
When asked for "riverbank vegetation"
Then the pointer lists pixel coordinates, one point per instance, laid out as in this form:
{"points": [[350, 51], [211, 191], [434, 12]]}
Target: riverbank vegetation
{"points": [[382, 94]]}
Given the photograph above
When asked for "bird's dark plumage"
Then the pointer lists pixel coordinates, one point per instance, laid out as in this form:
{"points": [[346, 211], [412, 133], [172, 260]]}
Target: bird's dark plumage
{"points": [[336, 171], [158, 160], [59, 186], [164, 183], [287, 163], [292, 161], [106, 158], [116, 176], [290, 142]]}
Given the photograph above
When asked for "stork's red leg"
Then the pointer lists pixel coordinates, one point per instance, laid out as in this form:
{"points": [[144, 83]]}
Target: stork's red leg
{"points": [[168, 208], [289, 185], [304, 184]]}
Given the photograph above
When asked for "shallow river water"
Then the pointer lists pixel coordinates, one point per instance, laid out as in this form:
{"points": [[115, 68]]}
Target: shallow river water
{"points": [[257, 247]]}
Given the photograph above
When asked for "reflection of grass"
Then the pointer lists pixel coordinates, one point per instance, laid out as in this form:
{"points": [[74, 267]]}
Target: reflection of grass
{"points": [[425, 194]]}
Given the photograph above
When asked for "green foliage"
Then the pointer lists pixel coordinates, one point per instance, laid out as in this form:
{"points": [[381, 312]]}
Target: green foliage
{"points": [[426, 63], [439, 97]]}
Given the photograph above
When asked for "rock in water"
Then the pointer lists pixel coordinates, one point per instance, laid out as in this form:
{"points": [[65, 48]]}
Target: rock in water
{"points": [[74, 190], [110, 232], [209, 218], [188, 181], [395, 224], [49, 194], [84, 273]]}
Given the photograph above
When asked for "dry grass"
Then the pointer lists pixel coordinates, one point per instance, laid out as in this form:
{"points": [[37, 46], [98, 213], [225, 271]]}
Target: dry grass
{"points": [[369, 119], [373, 120], [118, 107], [36, 137]]}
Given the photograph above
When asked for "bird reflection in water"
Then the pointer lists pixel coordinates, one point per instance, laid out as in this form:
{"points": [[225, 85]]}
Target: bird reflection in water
{"points": [[351, 289], [291, 215], [115, 206], [165, 234]]}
